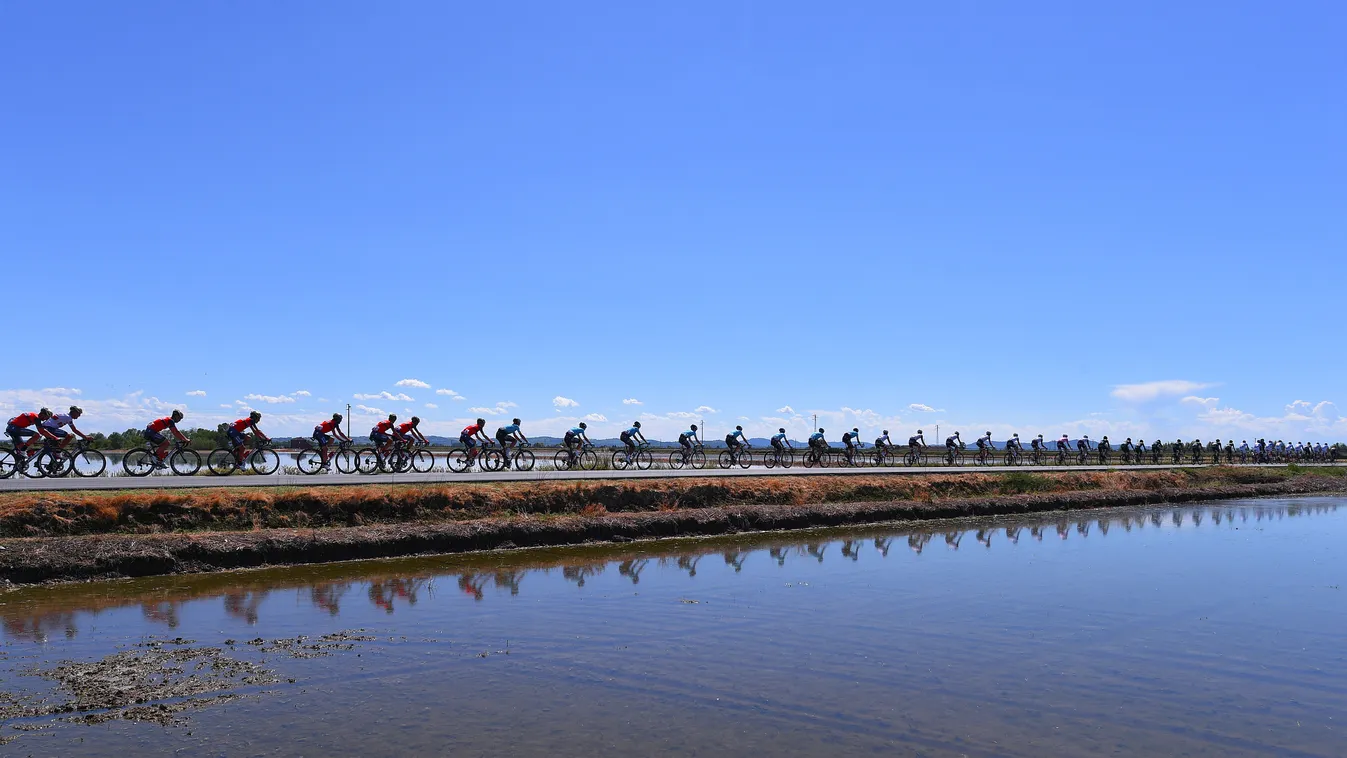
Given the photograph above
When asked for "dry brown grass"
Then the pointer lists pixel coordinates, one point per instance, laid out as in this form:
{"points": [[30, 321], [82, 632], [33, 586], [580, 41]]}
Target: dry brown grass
{"points": [[150, 511]]}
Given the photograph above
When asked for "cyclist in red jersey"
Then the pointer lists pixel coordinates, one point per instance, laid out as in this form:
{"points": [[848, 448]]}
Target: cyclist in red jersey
{"points": [[320, 435], [410, 428], [382, 433], [154, 433], [471, 434], [235, 434], [19, 432]]}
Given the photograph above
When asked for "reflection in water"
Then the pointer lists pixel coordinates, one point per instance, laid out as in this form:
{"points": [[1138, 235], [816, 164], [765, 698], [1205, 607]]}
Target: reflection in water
{"points": [[243, 594]]}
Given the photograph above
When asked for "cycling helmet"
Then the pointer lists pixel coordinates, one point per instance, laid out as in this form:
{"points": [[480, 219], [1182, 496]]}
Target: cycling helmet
{"points": [[336, 417], [920, 432], [481, 421], [394, 417], [855, 428], [820, 430], [75, 410], [782, 430], [738, 428], [255, 415], [989, 432], [1017, 434], [886, 431], [176, 415], [516, 422], [1040, 436], [694, 427], [415, 420], [44, 413], [636, 424], [583, 425], [1105, 436]]}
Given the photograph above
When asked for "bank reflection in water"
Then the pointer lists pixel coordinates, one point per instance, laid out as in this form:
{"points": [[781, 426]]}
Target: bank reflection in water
{"points": [[31, 615]]}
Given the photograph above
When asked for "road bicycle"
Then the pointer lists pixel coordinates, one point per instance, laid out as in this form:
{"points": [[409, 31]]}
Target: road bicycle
{"points": [[818, 456], [986, 455], [882, 456], [81, 460], [784, 457], [460, 459], [1103, 455], [1061, 456], [735, 456], [696, 458], [1082, 455], [522, 460], [262, 458], [1013, 457], [311, 461], [955, 456], [912, 457], [1036, 456], [851, 456], [640, 458], [584, 458], [142, 461]]}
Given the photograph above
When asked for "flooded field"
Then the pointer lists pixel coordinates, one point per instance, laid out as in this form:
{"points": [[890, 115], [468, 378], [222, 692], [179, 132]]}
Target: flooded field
{"points": [[1208, 630]]}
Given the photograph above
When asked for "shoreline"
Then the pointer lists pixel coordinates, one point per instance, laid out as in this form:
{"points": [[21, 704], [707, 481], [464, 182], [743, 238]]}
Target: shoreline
{"points": [[33, 560]]}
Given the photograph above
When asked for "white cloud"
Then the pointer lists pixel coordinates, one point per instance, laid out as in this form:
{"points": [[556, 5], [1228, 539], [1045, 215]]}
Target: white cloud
{"points": [[597, 417], [922, 408], [384, 396], [273, 399], [705, 409], [226, 405], [370, 411], [743, 418], [63, 391], [1300, 408], [675, 414], [563, 402], [1147, 391], [443, 391], [1205, 402], [196, 393], [632, 401], [302, 393], [432, 405], [502, 408], [786, 409], [417, 383]]}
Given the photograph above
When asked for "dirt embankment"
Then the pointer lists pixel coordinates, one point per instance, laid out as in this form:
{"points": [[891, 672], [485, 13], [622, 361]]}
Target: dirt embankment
{"points": [[144, 533]]}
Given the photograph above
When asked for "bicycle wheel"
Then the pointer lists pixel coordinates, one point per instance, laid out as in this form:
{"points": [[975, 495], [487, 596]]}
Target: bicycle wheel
{"points": [[589, 460], [185, 462], [264, 461], [769, 460], [423, 461], [52, 463], [344, 460], [561, 461], [138, 462], [725, 459], [491, 460], [88, 463], [399, 461], [309, 461], [787, 459], [745, 459], [698, 459], [619, 460], [457, 460], [8, 464], [644, 460], [220, 462], [524, 460], [676, 460]]}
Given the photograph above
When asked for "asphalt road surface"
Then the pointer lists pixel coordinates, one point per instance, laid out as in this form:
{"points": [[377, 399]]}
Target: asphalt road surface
{"points": [[168, 481]]}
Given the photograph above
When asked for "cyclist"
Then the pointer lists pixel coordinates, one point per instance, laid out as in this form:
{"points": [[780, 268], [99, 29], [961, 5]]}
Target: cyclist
{"points": [[410, 432], [469, 436], [1038, 444], [780, 442], [1063, 445], [154, 434], [686, 440], [1229, 451], [734, 443], [952, 444], [53, 425], [984, 446], [882, 443], [851, 439], [1083, 446], [1014, 443], [320, 435], [18, 432], [917, 441], [508, 436], [1126, 449], [382, 433], [575, 436], [235, 434], [1104, 448], [817, 443], [630, 437]]}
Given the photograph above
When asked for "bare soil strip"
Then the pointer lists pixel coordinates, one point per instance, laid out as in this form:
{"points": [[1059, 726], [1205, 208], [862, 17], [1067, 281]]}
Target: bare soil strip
{"points": [[160, 533]]}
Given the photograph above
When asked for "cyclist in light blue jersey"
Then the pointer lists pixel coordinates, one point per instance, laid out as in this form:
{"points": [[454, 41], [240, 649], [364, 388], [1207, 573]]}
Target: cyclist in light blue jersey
{"points": [[736, 441], [630, 437], [816, 440], [688, 439], [851, 439], [508, 436], [575, 436], [780, 441]]}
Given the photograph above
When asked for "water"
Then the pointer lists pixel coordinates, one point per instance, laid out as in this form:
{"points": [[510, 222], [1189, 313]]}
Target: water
{"points": [[1215, 630]]}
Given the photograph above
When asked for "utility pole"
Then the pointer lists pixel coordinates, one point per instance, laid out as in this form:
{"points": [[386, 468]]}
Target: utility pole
{"points": [[937, 432], [811, 431], [348, 419]]}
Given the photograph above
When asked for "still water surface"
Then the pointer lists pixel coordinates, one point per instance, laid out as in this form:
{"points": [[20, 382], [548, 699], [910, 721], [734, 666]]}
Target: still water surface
{"points": [[1215, 630]]}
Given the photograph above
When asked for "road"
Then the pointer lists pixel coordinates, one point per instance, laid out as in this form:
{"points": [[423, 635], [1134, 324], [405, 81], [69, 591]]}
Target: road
{"points": [[336, 480]]}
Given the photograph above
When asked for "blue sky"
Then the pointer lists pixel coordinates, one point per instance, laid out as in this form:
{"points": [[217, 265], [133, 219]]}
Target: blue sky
{"points": [[1034, 218]]}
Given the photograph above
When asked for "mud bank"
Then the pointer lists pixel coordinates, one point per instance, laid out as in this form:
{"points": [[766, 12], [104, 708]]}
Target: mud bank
{"points": [[44, 559]]}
